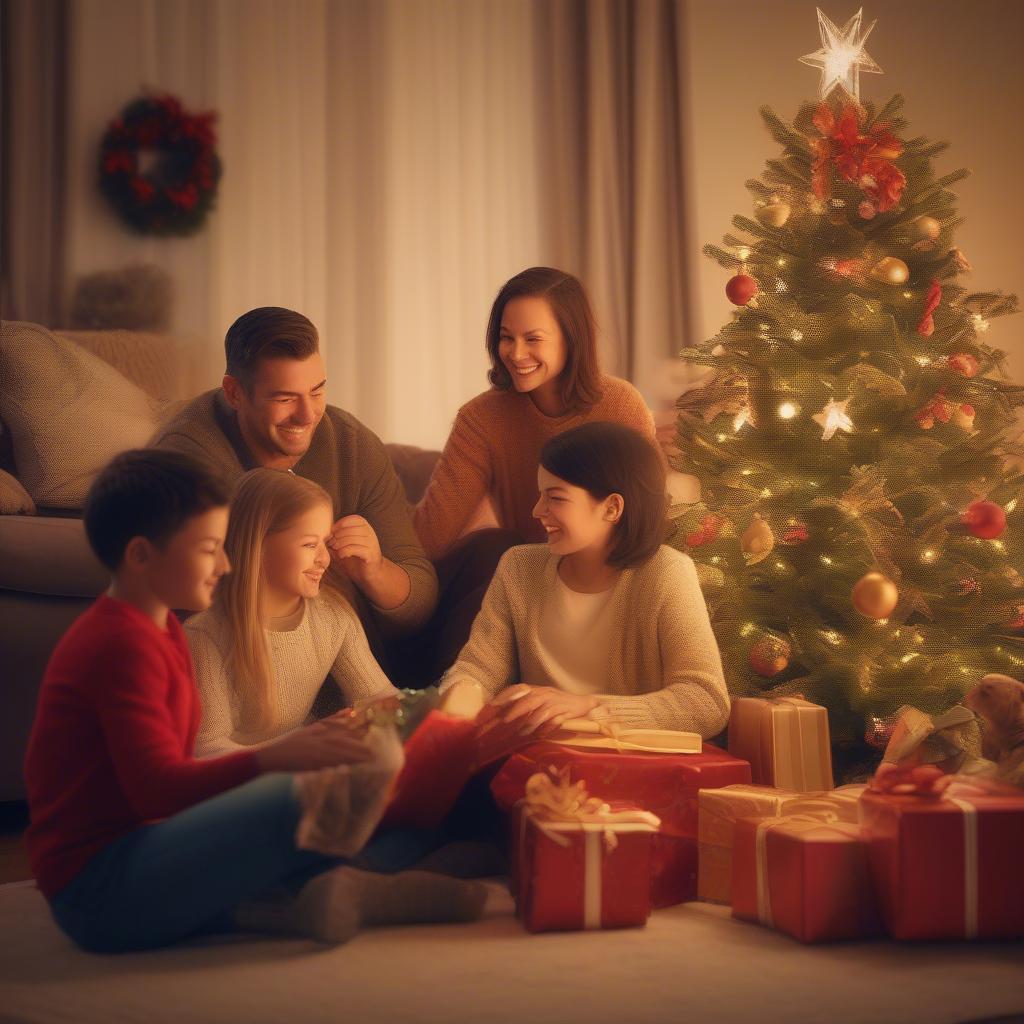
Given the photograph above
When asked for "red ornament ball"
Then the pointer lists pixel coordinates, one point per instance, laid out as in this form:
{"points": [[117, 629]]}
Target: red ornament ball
{"points": [[984, 519], [740, 289], [770, 655]]}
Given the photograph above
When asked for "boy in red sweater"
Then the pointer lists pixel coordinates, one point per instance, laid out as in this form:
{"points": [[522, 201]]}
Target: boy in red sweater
{"points": [[133, 841]]}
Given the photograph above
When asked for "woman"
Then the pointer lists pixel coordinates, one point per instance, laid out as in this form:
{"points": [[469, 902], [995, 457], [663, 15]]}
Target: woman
{"points": [[604, 621], [541, 339]]}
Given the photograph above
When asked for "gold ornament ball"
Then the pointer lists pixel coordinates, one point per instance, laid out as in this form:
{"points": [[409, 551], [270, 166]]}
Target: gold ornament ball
{"points": [[774, 215], [875, 595], [770, 655], [925, 229], [890, 270], [757, 540]]}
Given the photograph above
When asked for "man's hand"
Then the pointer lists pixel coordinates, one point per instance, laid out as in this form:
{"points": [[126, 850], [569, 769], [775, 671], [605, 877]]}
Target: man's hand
{"points": [[536, 710], [353, 542]]}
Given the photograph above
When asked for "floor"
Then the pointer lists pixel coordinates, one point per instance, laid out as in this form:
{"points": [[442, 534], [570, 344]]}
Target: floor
{"points": [[692, 963]]}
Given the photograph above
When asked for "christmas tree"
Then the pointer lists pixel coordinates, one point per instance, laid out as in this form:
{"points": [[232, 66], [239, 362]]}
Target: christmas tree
{"points": [[860, 524]]}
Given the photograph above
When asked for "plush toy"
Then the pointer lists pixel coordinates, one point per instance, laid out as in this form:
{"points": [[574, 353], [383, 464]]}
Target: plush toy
{"points": [[998, 701]]}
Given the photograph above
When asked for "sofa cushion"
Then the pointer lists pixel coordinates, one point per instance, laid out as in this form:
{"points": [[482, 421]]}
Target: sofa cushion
{"points": [[68, 413], [42, 555], [14, 499]]}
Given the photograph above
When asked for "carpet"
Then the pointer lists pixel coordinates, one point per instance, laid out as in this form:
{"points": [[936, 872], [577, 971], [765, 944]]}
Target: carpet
{"points": [[691, 963]]}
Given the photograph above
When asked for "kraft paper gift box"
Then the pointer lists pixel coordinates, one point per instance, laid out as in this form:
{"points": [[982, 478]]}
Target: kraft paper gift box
{"points": [[667, 785], [721, 808], [785, 739], [948, 865], [804, 875], [580, 863], [718, 810]]}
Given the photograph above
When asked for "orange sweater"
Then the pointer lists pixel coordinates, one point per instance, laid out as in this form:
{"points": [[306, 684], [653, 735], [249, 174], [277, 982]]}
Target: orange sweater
{"points": [[493, 451]]}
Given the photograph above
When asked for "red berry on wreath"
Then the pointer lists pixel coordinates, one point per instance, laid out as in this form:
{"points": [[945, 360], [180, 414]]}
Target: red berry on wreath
{"points": [[770, 655], [740, 289], [983, 519]]}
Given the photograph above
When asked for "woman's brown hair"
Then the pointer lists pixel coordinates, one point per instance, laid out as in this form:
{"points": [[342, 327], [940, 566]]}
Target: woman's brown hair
{"points": [[581, 378], [609, 458]]}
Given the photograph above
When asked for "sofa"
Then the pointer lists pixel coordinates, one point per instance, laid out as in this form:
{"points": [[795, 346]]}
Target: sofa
{"points": [[68, 402]]}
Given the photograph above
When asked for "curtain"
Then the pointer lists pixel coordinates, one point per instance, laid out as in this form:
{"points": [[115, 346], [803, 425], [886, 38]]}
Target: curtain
{"points": [[33, 55], [388, 164]]}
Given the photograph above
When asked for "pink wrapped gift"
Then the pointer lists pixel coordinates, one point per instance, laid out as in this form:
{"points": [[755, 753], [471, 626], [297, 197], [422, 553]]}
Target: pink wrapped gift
{"points": [[785, 739]]}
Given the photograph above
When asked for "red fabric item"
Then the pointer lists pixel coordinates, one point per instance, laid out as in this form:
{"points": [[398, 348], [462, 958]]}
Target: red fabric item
{"points": [[917, 850], [111, 746], [439, 760], [818, 886], [665, 784], [551, 889]]}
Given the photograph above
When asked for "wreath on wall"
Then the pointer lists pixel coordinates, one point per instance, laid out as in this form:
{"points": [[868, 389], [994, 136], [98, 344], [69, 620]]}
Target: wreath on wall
{"points": [[159, 166]]}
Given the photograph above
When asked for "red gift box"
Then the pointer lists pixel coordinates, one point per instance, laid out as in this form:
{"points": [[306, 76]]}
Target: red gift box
{"points": [[574, 875], [947, 866], [439, 760], [664, 784], [803, 875]]}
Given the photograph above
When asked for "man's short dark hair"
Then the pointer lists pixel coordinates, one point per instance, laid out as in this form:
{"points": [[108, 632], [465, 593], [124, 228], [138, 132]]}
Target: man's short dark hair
{"points": [[266, 332], [147, 493], [610, 458]]}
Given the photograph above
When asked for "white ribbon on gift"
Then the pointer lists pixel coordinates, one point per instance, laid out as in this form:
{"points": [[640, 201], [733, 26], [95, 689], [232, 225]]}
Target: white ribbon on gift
{"points": [[970, 864]]}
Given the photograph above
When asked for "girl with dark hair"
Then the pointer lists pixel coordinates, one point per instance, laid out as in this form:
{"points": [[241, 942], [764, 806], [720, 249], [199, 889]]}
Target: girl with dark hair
{"points": [[541, 339], [604, 621]]}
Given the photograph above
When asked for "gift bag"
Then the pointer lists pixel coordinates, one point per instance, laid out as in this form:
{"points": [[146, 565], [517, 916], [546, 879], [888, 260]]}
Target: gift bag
{"points": [[343, 805]]}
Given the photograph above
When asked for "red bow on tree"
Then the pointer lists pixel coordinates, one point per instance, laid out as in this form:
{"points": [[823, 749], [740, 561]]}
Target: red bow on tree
{"points": [[863, 158]]}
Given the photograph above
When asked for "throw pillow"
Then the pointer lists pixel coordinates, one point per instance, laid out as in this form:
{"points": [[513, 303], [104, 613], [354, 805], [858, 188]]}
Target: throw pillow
{"points": [[68, 412], [14, 499]]}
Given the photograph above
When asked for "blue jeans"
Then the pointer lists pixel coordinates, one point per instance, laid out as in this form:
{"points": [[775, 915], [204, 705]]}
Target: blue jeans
{"points": [[184, 875]]}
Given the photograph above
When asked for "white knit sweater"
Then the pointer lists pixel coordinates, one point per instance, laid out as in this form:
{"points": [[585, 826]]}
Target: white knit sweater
{"points": [[328, 639], [663, 670]]}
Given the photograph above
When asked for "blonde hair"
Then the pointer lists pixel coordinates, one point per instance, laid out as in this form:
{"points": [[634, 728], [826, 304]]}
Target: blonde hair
{"points": [[266, 502]]}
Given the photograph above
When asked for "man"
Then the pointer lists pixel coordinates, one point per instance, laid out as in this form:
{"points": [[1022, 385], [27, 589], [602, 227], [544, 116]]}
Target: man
{"points": [[272, 411]]}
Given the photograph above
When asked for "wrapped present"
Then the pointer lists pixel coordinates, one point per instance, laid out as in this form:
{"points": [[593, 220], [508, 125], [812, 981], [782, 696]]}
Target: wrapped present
{"points": [[439, 760], [786, 741], [581, 863], [804, 874], [944, 854], [719, 809], [667, 785]]}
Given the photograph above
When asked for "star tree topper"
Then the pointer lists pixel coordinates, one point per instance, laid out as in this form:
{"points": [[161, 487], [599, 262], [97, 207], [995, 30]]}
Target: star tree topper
{"points": [[832, 418], [841, 57]]}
